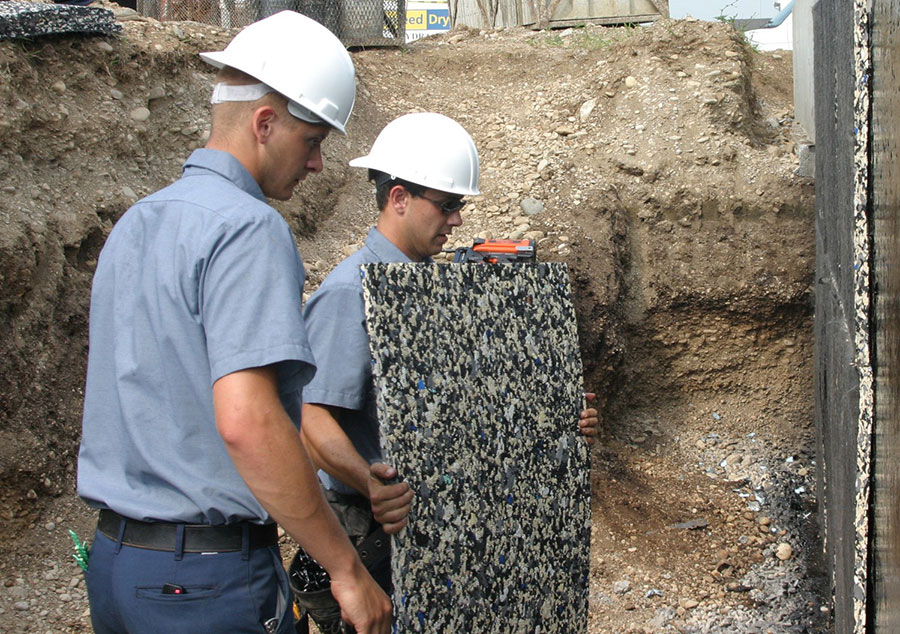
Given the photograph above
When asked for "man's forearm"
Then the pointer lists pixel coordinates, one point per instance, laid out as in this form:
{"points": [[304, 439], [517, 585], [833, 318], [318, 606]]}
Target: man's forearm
{"points": [[331, 449], [268, 454]]}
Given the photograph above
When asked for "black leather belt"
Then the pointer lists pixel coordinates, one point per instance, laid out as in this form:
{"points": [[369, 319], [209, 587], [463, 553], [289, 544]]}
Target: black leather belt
{"points": [[374, 548], [198, 538], [377, 545]]}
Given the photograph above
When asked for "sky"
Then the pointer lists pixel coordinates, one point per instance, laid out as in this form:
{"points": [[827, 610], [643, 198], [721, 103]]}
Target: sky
{"points": [[710, 9]]}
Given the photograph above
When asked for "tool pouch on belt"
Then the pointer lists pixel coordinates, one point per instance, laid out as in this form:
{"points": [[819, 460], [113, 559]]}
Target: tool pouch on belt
{"points": [[310, 583], [311, 588]]}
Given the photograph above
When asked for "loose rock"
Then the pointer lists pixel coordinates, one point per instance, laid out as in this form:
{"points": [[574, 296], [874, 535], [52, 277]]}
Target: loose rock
{"points": [[784, 551]]}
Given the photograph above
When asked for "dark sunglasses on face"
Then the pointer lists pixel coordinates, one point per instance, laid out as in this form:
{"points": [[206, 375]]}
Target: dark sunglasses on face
{"points": [[447, 206]]}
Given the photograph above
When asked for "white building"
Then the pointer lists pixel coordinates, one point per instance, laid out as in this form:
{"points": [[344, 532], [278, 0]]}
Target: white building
{"points": [[775, 34]]}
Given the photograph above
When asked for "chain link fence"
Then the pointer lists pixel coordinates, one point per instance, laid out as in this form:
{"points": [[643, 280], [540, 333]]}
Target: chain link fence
{"points": [[355, 22]]}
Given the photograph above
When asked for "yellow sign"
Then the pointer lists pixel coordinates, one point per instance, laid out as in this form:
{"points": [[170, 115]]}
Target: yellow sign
{"points": [[425, 18]]}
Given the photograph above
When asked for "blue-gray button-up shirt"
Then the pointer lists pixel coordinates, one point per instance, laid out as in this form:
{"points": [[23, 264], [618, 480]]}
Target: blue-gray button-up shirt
{"points": [[196, 281], [336, 323]]}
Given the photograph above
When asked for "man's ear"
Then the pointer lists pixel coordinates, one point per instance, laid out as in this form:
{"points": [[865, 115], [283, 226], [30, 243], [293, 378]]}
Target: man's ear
{"points": [[263, 122], [398, 198]]}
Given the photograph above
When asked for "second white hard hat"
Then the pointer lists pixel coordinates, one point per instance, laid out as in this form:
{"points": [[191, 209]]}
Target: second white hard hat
{"points": [[428, 149], [299, 58]]}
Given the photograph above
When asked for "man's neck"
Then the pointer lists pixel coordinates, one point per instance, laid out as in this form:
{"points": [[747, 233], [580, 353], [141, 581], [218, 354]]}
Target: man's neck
{"points": [[395, 237], [239, 150]]}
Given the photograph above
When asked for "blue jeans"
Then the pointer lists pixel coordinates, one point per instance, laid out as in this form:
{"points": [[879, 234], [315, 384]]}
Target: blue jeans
{"points": [[233, 592]]}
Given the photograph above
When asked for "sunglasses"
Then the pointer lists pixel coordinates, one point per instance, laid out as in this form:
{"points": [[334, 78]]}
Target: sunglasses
{"points": [[447, 206]]}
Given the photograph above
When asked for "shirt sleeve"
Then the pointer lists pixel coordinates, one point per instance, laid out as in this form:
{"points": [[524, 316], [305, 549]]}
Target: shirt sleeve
{"points": [[251, 302], [335, 319]]}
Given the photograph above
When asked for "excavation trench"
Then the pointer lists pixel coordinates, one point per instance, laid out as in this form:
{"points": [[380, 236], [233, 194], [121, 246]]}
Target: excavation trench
{"points": [[663, 161]]}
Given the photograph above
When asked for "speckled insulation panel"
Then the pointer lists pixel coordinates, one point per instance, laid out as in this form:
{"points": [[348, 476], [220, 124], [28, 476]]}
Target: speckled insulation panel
{"points": [[33, 19], [862, 61], [478, 379]]}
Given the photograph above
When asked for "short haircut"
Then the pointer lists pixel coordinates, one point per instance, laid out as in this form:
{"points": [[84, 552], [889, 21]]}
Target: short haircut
{"points": [[227, 115], [384, 183]]}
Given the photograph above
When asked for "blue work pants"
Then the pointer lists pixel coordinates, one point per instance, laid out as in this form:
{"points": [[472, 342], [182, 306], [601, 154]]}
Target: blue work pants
{"points": [[218, 593]]}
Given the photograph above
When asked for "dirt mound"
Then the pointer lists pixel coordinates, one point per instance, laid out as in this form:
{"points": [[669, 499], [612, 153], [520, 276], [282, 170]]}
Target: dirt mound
{"points": [[657, 162]]}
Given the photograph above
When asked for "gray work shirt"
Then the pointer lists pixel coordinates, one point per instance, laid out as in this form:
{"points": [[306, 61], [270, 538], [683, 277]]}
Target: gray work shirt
{"points": [[196, 281], [336, 323]]}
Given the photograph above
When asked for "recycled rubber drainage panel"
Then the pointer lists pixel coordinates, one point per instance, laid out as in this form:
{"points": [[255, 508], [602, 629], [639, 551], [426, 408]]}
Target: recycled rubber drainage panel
{"points": [[35, 19], [478, 385]]}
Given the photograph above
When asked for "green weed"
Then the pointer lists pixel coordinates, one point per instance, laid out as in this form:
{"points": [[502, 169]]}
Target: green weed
{"points": [[730, 20]]}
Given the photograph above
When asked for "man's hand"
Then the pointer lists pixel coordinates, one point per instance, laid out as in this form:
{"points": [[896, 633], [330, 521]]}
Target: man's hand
{"points": [[589, 423], [391, 501], [363, 605]]}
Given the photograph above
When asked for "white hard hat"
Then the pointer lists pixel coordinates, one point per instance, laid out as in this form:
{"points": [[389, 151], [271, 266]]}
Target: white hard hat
{"points": [[299, 58], [428, 149]]}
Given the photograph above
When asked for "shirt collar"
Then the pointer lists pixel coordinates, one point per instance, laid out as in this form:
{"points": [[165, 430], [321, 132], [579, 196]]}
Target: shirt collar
{"points": [[386, 250], [225, 165]]}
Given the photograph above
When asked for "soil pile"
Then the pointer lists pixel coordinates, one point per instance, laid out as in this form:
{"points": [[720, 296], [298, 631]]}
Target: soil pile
{"points": [[658, 162]]}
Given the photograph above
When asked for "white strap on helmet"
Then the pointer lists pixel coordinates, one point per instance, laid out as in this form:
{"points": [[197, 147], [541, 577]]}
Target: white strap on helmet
{"points": [[251, 92], [248, 92]]}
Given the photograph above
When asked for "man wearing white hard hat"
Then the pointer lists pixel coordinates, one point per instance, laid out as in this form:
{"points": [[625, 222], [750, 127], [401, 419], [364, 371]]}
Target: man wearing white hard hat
{"points": [[198, 356], [422, 164]]}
